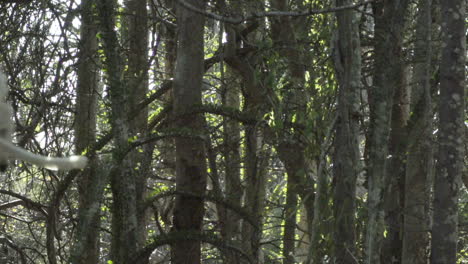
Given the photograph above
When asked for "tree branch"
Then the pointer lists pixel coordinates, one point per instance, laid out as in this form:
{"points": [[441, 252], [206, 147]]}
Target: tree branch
{"points": [[256, 15]]}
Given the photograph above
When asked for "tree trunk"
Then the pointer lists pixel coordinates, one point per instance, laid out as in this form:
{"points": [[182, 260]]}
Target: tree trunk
{"points": [[289, 149], [137, 82], [321, 210], [255, 164], [190, 151], [395, 177], [230, 227], [389, 24], [450, 133], [346, 146], [90, 183], [255, 159], [291, 145], [419, 149], [124, 211], [167, 146]]}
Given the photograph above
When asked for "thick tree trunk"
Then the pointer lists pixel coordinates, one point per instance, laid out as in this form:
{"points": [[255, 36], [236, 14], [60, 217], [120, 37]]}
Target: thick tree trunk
{"points": [[90, 184], [190, 151], [450, 133], [346, 146], [419, 149]]}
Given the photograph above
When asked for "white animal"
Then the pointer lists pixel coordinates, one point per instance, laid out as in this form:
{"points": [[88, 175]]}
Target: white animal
{"points": [[9, 151]]}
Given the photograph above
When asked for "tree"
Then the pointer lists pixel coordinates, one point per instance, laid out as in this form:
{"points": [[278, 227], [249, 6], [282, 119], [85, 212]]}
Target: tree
{"points": [[255, 160], [450, 133], [136, 76], [291, 110], [190, 149], [123, 184], [346, 148], [233, 187], [91, 183], [388, 73], [419, 149]]}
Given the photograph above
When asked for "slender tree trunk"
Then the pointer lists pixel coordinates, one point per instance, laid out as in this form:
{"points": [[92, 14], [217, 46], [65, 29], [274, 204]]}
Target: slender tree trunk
{"points": [[255, 163], [291, 145], [90, 183], [124, 211], [450, 133], [395, 177], [320, 213], [255, 159], [346, 156], [167, 146], [289, 235], [233, 185], [295, 167], [389, 24], [419, 149], [170, 45], [137, 82], [231, 224], [190, 151]]}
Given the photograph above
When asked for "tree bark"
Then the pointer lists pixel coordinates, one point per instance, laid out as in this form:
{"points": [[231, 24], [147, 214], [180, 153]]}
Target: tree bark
{"points": [[419, 147], [167, 146], [450, 133], [346, 146], [291, 145], [90, 183], [395, 177], [230, 229], [389, 24], [123, 186], [190, 151], [255, 160], [136, 25], [292, 111]]}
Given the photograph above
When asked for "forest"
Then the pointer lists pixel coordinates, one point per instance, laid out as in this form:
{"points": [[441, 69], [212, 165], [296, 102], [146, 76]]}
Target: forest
{"points": [[236, 131]]}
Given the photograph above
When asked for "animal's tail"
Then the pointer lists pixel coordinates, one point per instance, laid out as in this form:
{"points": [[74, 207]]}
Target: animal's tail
{"points": [[10, 151]]}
